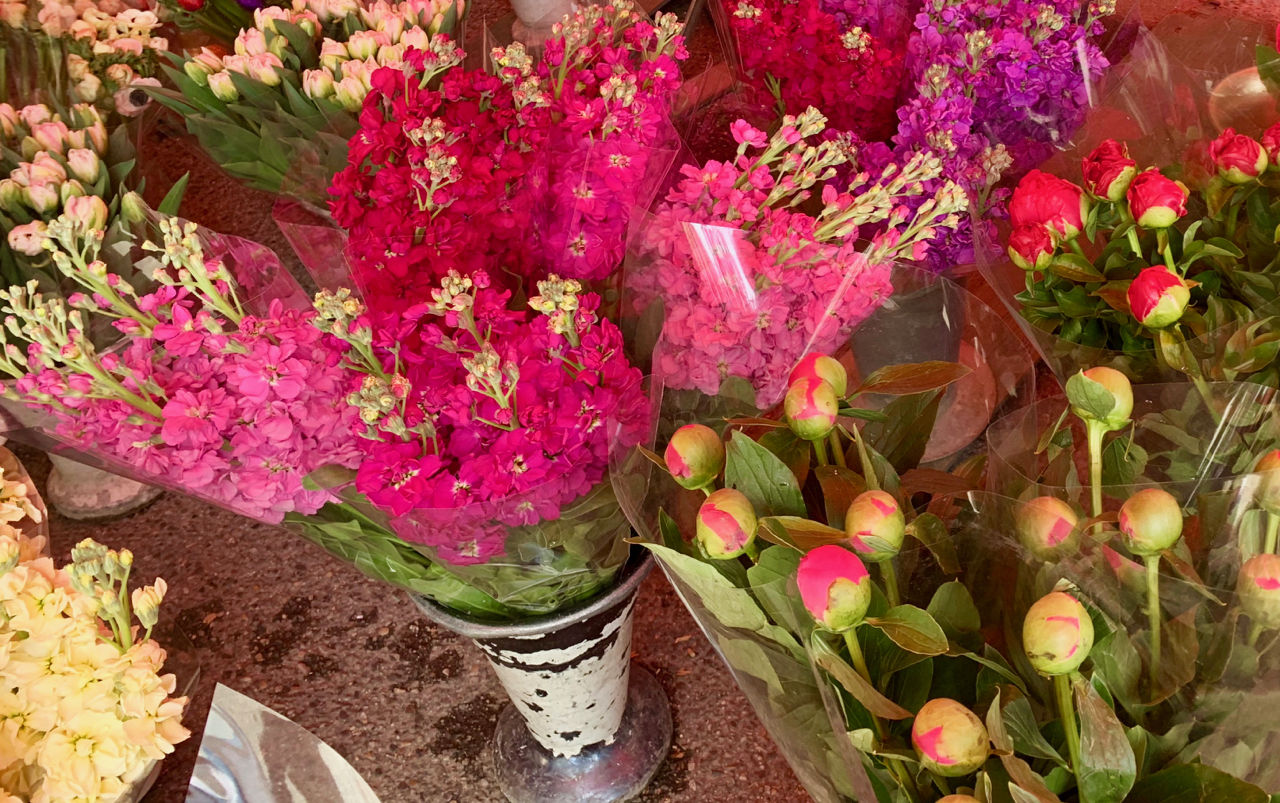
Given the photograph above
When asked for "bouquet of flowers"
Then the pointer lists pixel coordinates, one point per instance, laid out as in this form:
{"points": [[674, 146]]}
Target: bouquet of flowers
{"points": [[290, 91], [90, 712], [743, 270], [87, 52], [563, 148], [1170, 278]]}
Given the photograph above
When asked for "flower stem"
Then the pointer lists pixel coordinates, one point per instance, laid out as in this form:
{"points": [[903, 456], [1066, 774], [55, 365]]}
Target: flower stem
{"points": [[855, 654], [889, 577], [941, 783], [820, 449], [836, 451], [1153, 614], [1096, 432], [1066, 710], [868, 470], [900, 773], [753, 552], [1273, 530]]}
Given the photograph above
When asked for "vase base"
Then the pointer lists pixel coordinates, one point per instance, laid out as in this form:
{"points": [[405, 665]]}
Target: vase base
{"points": [[602, 773], [97, 496]]}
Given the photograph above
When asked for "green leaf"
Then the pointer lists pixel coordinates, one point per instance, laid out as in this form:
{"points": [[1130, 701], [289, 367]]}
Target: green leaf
{"points": [[173, 199], [1269, 67], [931, 531], [1117, 660], [855, 684], [762, 478], [1076, 268], [795, 452], [770, 580], [802, 534], [671, 536], [730, 605], [1107, 765], [908, 380], [1122, 462], [911, 629], [840, 486], [952, 607], [1195, 783], [749, 657], [1020, 721], [1090, 396]]}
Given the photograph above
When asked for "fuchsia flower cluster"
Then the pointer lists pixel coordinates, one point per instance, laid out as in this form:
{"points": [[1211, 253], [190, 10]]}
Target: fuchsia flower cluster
{"points": [[749, 283], [235, 408], [481, 418]]}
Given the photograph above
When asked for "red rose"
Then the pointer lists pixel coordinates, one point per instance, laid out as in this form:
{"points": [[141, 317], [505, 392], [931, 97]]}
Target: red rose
{"points": [[1239, 159], [1042, 199], [191, 5], [1156, 202], [1158, 297], [1271, 143], [1108, 171], [1031, 247]]}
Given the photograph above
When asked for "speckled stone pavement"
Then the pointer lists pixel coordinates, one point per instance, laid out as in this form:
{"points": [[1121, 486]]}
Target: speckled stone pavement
{"points": [[410, 705]]}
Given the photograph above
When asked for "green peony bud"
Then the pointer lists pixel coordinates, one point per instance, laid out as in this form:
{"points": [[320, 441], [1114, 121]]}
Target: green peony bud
{"points": [[1046, 526], [950, 740], [1057, 634], [1151, 521], [875, 526], [132, 208], [695, 456], [1259, 590], [726, 524], [811, 407], [820, 366], [834, 587], [1089, 390], [1267, 494]]}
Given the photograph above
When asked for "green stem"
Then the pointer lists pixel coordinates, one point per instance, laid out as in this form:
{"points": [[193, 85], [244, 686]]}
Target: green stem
{"points": [[707, 489], [868, 470], [889, 576], [1273, 530], [896, 768], [820, 449], [1233, 218], [1153, 614], [1096, 432], [836, 450], [941, 783], [1075, 246], [1066, 710], [1168, 260], [1134, 243], [753, 552], [855, 654], [1255, 634]]}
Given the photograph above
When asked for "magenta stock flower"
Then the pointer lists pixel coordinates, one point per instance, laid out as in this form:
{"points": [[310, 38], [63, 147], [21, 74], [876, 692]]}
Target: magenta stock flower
{"points": [[196, 419]]}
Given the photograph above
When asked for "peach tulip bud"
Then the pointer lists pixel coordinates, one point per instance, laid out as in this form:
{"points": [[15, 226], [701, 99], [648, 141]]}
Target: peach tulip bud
{"points": [[43, 198], [726, 524], [834, 587], [8, 120], [89, 211], [10, 195], [84, 164], [958, 799], [251, 42], [44, 168], [811, 407], [949, 739], [223, 87], [1057, 634], [332, 54], [34, 115], [52, 136], [28, 238], [875, 526], [1151, 521], [350, 93], [695, 456], [71, 189], [265, 68], [820, 366], [1046, 526], [1119, 388], [317, 83], [1258, 587]]}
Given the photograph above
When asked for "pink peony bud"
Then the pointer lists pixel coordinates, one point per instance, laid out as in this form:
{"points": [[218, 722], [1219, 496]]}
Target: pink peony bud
{"points": [[89, 211], [1267, 495], [1158, 297], [1271, 142], [1151, 521], [875, 526], [834, 587], [1057, 634], [1031, 247], [811, 407], [822, 367], [28, 238], [1109, 171], [1047, 527], [1259, 590], [695, 456], [950, 740], [1156, 202], [1121, 390], [726, 524], [1045, 200], [1239, 159]]}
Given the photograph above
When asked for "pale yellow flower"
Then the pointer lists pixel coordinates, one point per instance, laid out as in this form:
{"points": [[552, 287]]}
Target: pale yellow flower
{"points": [[85, 754]]}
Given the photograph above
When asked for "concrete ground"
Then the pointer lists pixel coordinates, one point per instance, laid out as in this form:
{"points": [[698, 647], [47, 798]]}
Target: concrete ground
{"points": [[411, 705]]}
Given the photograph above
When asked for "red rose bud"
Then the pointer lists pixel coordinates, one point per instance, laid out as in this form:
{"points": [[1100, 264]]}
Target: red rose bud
{"points": [[726, 524], [1271, 143], [1057, 634], [1109, 171], [1121, 390], [1158, 297], [811, 406], [1031, 247], [1239, 159], [1267, 494], [950, 740], [875, 526], [1151, 521], [1156, 202], [695, 456], [1046, 526], [820, 366], [834, 587], [1045, 200], [1259, 590]]}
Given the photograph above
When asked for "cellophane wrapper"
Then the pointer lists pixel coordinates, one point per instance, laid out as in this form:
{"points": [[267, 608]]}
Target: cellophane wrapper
{"points": [[756, 623]]}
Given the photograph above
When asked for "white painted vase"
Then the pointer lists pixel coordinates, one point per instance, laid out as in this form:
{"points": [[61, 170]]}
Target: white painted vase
{"points": [[584, 725]]}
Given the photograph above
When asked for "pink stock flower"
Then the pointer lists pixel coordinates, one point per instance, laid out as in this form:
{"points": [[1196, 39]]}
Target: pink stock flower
{"points": [[196, 419]]}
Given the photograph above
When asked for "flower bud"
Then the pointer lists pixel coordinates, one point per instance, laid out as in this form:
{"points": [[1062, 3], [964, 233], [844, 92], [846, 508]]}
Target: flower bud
{"points": [[146, 602], [34, 115], [1109, 171], [1156, 202], [364, 44], [811, 407], [1239, 159], [822, 367], [89, 211], [251, 42], [1045, 200], [28, 238], [332, 54], [8, 120], [10, 195], [1158, 297], [1271, 143], [958, 799], [1121, 390], [133, 209], [223, 88], [695, 456], [84, 164], [1151, 521], [89, 89], [1057, 634], [350, 92], [200, 67], [875, 526], [317, 83], [726, 524], [949, 739], [834, 587], [265, 68], [1259, 590], [1031, 247], [43, 198], [72, 189], [1047, 527], [120, 74]]}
